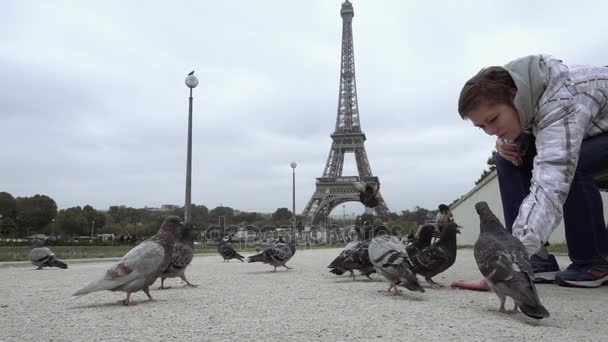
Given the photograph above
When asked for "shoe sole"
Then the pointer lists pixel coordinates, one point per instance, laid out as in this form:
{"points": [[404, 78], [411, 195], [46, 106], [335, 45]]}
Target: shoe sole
{"points": [[545, 277], [586, 284]]}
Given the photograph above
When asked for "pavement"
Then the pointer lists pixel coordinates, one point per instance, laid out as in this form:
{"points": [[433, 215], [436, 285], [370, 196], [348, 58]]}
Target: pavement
{"points": [[247, 302]]}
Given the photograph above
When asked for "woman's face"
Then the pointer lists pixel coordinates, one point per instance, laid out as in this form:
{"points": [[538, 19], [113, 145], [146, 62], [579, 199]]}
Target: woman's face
{"points": [[500, 120]]}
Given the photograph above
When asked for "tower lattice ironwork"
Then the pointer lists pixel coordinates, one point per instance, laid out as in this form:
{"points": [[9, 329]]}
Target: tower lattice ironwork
{"points": [[333, 189]]}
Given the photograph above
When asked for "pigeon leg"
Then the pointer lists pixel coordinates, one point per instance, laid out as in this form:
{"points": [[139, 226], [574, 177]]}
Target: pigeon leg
{"points": [[127, 301], [502, 299], [147, 292], [287, 267], [433, 284], [514, 310], [393, 286], [39, 268], [187, 282], [275, 269], [352, 274], [368, 277], [162, 281]]}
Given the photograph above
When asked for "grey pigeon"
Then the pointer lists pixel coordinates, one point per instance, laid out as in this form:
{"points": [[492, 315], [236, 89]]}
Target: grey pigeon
{"points": [[42, 256], [227, 252], [438, 257], [277, 255], [355, 256], [141, 266], [367, 193], [389, 257], [503, 261], [421, 240], [183, 252]]}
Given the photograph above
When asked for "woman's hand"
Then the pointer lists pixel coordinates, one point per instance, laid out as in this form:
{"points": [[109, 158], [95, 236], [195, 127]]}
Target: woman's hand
{"points": [[508, 151]]}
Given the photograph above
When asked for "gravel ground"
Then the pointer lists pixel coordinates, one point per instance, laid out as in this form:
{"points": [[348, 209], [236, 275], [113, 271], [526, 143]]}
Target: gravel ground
{"points": [[246, 302]]}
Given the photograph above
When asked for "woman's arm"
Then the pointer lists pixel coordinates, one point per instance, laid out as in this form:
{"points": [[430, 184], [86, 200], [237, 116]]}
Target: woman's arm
{"points": [[559, 135]]}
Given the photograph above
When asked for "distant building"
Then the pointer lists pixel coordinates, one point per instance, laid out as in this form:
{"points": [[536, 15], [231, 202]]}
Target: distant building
{"points": [[487, 190]]}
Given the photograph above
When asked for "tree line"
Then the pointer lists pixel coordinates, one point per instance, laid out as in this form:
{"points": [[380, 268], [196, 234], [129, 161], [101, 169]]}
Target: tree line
{"points": [[24, 216]]}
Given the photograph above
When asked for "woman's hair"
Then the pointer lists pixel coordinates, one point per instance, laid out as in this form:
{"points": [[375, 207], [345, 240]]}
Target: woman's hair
{"points": [[492, 85]]}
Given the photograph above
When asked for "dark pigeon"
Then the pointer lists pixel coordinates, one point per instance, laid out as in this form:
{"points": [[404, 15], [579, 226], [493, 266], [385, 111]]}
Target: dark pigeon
{"points": [[421, 240], [141, 266], [42, 256], [183, 252], [389, 257], [277, 255], [438, 257], [367, 193], [354, 257], [503, 261], [227, 252]]}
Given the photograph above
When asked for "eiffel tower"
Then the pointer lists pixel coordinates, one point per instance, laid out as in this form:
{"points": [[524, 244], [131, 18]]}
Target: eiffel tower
{"points": [[332, 188]]}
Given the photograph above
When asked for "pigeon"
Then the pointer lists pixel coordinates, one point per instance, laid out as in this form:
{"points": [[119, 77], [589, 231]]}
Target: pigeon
{"points": [[277, 255], [227, 252], [367, 193], [421, 240], [389, 257], [503, 261], [438, 257], [42, 256], [355, 256], [183, 252], [140, 267]]}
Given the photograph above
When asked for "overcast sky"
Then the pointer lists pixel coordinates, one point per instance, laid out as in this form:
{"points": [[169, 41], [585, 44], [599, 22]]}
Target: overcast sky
{"points": [[93, 105]]}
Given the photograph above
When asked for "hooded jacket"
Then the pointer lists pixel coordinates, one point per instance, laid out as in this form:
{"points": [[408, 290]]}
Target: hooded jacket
{"points": [[561, 106]]}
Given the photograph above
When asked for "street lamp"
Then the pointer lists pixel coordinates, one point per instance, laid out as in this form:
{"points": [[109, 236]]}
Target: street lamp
{"points": [[92, 228], [191, 82], [293, 184]]}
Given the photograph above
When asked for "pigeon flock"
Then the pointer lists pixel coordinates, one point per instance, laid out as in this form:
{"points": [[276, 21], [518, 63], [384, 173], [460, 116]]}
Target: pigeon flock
{"points": [[501, 258]]}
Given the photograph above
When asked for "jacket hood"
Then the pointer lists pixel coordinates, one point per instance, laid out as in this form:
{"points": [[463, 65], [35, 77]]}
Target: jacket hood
{"points": [[530, 76]]}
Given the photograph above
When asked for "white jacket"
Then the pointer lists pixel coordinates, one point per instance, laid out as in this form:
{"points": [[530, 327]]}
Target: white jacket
{"points": [[561, 105]]}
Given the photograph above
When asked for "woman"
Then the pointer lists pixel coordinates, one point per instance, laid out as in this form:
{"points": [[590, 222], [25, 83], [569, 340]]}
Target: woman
{"points": [[551, 121]]}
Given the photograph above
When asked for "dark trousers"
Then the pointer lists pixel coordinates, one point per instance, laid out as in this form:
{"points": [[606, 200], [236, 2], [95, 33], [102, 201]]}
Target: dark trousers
{"points": [[585, 228]]}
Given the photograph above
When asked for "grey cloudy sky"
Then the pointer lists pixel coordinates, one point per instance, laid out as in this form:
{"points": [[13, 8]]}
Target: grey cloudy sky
{"points": [[93, 106]]}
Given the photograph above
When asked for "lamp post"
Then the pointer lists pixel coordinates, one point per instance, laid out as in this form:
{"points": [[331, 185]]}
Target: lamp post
{"points": [[293, 184], [92, 229], [191, 82]]}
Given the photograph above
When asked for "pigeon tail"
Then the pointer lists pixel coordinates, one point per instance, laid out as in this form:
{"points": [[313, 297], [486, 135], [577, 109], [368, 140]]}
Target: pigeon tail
{"points": [[57, 263], [337, 271], [106, 284], [257, 258], [538, 311]]}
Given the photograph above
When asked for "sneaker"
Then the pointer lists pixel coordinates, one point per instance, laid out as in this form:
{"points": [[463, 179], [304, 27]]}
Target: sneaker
{"points": [[545, 270], [583, 276]]}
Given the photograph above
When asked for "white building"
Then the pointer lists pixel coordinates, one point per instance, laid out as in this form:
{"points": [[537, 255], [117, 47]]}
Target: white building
{"points": [[488, 191]]}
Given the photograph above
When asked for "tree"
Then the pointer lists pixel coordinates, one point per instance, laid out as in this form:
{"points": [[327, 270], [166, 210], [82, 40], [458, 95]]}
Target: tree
{"points": [[491, 167], [216, 213], [35, 212], [73, 222], [124, 215], [8, 227], [8, 205], [282, 216], [94, 217]]}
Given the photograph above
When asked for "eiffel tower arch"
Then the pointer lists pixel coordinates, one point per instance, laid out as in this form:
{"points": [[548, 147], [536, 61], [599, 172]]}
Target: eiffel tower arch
{"points": [[333, 189]]}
